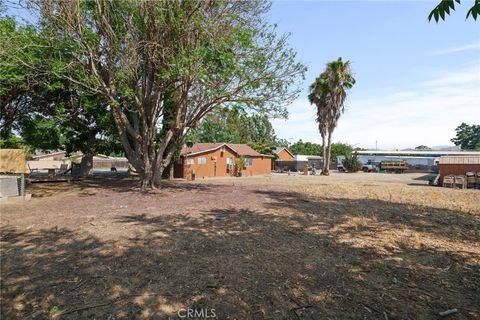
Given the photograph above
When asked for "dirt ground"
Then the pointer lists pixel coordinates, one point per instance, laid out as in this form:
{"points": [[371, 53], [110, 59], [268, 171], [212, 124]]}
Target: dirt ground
{"points": [[348, 246]]}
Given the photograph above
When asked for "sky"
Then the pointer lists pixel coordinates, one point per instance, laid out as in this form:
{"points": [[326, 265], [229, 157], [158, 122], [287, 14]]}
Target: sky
{"points": [[416, 80]]}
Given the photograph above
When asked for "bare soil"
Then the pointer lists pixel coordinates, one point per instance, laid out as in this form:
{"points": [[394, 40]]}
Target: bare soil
{"points": [[348, 246]]}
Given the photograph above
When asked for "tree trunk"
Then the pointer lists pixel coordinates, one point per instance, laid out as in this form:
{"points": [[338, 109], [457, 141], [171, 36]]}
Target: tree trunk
{"points": [[162, 162], [86, 165], [329, 149], [324, 155], [171, 174], [146, 178]]}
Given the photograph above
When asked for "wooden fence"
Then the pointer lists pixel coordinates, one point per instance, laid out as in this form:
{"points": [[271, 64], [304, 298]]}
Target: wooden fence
{"points": [[109, 163]]}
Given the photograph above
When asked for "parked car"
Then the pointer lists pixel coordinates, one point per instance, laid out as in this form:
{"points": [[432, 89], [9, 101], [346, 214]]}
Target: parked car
{"points": [[340, 166], [370, 166]]}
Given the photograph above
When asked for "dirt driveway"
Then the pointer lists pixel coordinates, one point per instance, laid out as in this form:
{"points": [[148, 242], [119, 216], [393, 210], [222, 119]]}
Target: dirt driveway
{"points": [[361, 246]]}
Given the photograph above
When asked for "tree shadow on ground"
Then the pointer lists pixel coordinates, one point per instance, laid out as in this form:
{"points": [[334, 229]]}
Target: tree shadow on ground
{"points": [[426, 177], [423, 219], [93, 185], [290, 259], [423, 181]]}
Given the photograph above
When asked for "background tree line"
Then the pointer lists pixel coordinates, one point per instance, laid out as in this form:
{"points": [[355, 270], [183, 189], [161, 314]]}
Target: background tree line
{"points": [[236, 125], [467, 136], [140, 75]]}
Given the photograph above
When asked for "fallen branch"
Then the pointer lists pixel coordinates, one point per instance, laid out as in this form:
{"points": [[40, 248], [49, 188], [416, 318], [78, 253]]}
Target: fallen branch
{"points": [[302, 307], [447, 312], [80, 283], [294, 310], [119, 299], [89, 307]]}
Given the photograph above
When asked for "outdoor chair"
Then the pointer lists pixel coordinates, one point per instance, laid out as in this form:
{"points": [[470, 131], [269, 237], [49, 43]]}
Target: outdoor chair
{"points": [[461, 182], [63, 168], [471, 179], [448, 181]]}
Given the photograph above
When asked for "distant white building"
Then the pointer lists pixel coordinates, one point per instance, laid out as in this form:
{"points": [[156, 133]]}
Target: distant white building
{"points": [[413, 157], [424, 153], [303, 157]]}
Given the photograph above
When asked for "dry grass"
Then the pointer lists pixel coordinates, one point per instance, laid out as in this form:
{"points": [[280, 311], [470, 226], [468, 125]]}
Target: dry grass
{"points": [[360, 246]]}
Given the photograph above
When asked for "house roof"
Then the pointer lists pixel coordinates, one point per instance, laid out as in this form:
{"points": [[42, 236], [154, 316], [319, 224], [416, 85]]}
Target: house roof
{"points": [[306, 157], [239, 149], [460, 160], [278, 149], [46, 155]]}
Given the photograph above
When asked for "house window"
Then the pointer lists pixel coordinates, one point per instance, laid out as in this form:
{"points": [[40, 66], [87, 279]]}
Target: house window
{"points": [[230, 161], [190, 161], [202, 160], [248, 162]]}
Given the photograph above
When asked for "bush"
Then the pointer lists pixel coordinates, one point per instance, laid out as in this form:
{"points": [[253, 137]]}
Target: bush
{"points": [[351, 163], [239, 165]]}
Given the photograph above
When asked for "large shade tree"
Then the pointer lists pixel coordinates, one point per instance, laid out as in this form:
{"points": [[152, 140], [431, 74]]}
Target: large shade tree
{"points": [[42, 111], [467, 136], [23, 92], [161, 66], [328, 93]]}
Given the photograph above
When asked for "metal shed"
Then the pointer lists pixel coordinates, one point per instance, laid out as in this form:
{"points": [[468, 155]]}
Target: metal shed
{"points": [[458, 165], [12, 173]]}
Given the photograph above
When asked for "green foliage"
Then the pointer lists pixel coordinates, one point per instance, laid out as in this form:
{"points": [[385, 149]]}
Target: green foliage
{"points": [[351, 163], [235, 125], [11, 142], [240, 163], [156, 67], [340, 149], [444, 7], [14, 142], [54, 312], [422, 147], [328, 93], [42, 133], [314, 149], [48, 111], [18, 84], [306, 148], [468, 137], [85, 126], [330, 87], [283, 143]]}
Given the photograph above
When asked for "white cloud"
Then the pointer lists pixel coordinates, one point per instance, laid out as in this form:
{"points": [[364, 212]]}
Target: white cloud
{"points": [[462, 77], [425, 113], [467, 47]]}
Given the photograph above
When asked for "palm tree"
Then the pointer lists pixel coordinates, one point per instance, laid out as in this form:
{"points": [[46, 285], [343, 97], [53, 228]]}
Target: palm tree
{"points": [[328, 93]]}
